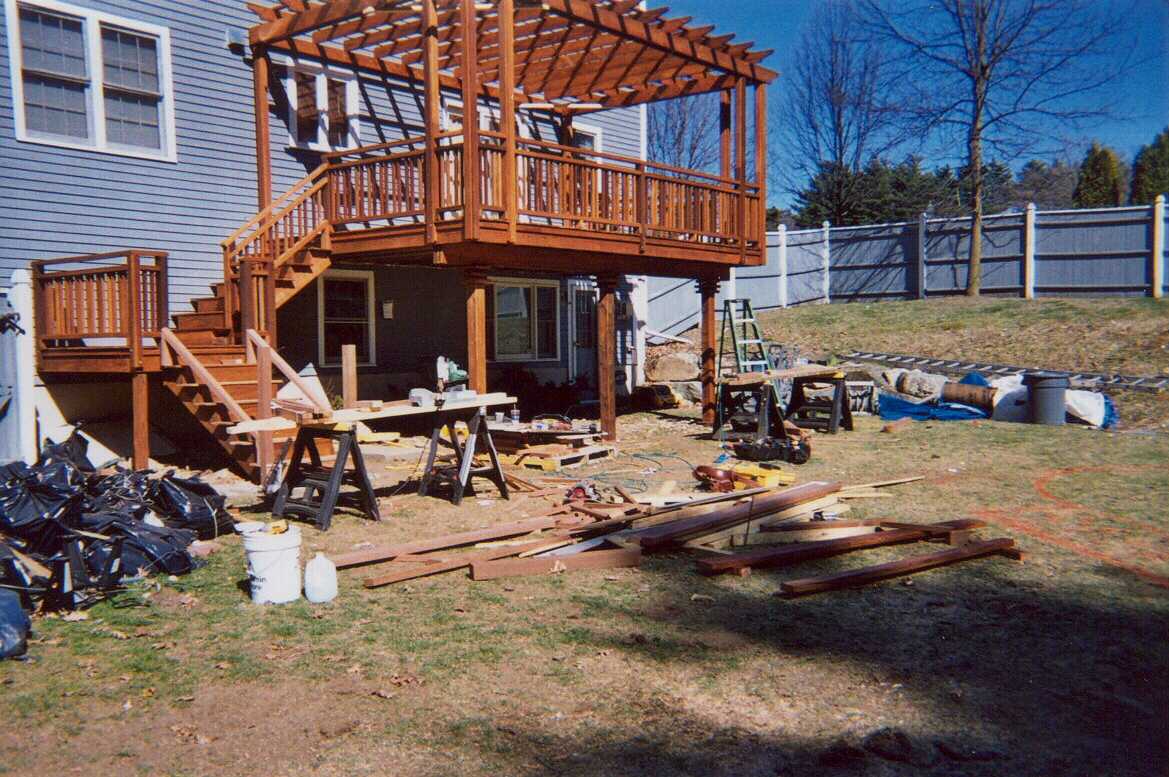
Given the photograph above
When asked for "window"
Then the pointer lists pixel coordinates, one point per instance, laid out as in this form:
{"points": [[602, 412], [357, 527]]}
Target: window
{"points": [[586, 136], [525, 319], [87, 80], [345, 315], [323, 106], [452, 116]]}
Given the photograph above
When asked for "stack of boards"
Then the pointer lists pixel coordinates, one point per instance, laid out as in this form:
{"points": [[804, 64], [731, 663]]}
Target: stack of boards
{"points": [[548, 450]]}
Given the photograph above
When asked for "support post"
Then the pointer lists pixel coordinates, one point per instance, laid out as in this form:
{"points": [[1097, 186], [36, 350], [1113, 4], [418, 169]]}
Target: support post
{"points": [[607, 353], [1029, 252], [741, 164], [270, 303], [1158, 214], [264, 450], [140, 410], [349, 375], [20, 294], [247, 297], [761, 165], [261, 77], [922, 227], [476, 287], [507, 115], [707, 291], [430, 119], [470, 83], [826, 259], [724, 133], [783, 291]]}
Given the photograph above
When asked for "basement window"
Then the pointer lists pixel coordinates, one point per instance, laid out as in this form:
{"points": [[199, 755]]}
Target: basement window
{"points": [[345, 316], [89, 80], [524, 319]]}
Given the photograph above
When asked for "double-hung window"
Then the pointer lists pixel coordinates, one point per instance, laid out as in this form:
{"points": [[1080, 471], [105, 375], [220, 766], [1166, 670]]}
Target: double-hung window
{"points": [[345, 315], [324, 104], [88, 80], [524, 317]]}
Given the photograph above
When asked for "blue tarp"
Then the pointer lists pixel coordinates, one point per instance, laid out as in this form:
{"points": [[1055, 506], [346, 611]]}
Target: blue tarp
{"points": [[894, 407]]}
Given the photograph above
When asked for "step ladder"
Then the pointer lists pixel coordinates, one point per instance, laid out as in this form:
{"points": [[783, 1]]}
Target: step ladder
{"points": [[746, 339]]}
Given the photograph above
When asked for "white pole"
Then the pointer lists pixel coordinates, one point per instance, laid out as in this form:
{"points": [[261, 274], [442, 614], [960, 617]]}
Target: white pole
{"points": [[732, 286], [24, 401], [1158, 257], [640, 322], [1029, 252], [783, 265], [825, 254], [922, 226]]}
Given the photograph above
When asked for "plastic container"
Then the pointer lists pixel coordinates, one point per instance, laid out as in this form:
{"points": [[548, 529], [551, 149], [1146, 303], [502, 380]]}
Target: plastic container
{"points": [[320, 580], [1046, 397], [274, 565]]}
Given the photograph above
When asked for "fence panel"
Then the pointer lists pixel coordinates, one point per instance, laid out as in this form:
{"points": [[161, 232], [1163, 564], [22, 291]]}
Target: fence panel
{"points": [[873, 262], [1093, 252], [805, 266], [947, 246]]}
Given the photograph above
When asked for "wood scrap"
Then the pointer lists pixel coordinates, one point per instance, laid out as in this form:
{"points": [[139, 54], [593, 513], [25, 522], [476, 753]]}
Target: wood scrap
{"points": [[519, 567], [805, 551], [399, 572], [857, 577]]}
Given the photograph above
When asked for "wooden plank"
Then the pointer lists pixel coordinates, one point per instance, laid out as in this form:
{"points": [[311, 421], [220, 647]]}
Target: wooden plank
{"points": [[805, 551], [801, 510], [519, 567], [498, 532], [905, 566], [607, 354], [455, 562], [349, 375]]}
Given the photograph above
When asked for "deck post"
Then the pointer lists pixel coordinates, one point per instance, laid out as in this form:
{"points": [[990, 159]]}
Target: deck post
{"points": [[741, 163], [607, 353], [724, 133], [761, 165], [430, 119], [470, 84], [265, 453], [507, 117], [140, 410], [247, 297], [708, 290], [476, 286], [261, 75]]}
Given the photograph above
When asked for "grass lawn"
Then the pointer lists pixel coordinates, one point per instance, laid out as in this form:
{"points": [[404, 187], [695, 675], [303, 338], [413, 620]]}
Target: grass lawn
{"points": [[1058, 665]]}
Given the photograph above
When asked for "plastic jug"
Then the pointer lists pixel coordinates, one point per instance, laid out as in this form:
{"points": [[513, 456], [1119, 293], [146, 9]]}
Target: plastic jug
{"points": [[320, 579]]}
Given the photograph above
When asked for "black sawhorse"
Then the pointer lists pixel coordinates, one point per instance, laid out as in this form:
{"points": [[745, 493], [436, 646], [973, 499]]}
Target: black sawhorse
{"points": [[826, 415], [458, 476], [753, 400], [322, 486]]}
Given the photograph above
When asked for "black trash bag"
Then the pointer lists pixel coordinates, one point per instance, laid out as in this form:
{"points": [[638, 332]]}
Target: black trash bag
{"points": [[38, 505], [144, 548], [17, 575], [772, 449], [124, 492], [189, 503], [85, 569], [14, 625], [73, 451]]}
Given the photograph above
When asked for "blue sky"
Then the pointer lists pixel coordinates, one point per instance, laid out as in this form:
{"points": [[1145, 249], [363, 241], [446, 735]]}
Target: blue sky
{"points": [[1141, 98]]}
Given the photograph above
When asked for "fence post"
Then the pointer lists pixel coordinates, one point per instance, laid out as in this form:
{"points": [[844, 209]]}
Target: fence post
{"points": [[1158, 257], [24, 405], [922, 225], [1029, 252], [826, 256], [783, 265]]}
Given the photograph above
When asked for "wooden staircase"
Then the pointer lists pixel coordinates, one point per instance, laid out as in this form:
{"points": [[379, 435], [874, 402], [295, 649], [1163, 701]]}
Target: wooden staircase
{"points": [[210, 363]]}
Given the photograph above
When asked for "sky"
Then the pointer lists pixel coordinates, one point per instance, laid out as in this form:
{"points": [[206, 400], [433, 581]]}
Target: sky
{"points": [[1141, 97]]}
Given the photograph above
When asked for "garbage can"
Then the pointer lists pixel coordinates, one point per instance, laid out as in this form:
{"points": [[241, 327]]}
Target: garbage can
{"points": [[1046, 397]]}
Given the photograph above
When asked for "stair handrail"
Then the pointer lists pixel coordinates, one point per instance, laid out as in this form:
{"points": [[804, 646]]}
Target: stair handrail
{"points": [[258, 219], [320, 402], [202, 374]]}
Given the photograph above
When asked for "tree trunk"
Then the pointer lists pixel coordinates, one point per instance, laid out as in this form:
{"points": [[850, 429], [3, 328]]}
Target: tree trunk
{"points": [[974, 271]]}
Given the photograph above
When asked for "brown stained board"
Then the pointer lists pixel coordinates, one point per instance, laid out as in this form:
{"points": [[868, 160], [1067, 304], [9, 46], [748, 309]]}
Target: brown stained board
{"points": [[676, 532], [449, 564], [905, 566], [805, 551], [519, 567]]}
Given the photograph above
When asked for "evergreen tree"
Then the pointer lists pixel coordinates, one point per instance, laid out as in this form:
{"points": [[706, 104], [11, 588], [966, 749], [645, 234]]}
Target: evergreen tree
{"points": [[1101, 180], [1048, 186], [1150, 173]]}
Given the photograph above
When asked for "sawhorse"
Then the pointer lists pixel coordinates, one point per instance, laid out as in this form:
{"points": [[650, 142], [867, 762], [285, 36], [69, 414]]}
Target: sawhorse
{"points": [[826, 415], [322, 486], [458, 476]]}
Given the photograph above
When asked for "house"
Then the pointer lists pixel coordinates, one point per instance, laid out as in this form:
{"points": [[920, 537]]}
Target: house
{"points": [[305, 175]]}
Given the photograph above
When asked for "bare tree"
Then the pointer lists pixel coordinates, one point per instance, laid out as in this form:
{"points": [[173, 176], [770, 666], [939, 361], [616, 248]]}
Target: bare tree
{"points": [[836, 114], [998, 75], [684, 132]]}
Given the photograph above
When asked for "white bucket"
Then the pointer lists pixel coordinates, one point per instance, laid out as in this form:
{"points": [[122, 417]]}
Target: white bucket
{"points": [[274, 565]]}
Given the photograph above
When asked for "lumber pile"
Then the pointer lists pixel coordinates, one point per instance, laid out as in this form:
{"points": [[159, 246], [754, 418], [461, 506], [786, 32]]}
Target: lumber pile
{"points": [[558, 446]]}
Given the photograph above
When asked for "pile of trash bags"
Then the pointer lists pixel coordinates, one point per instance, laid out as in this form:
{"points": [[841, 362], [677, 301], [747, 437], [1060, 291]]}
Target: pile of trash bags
{"points": [[70, 535]]}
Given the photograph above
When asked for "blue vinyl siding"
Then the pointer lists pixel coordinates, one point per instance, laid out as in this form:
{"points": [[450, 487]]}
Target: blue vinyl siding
{"points": [[61, 201]]}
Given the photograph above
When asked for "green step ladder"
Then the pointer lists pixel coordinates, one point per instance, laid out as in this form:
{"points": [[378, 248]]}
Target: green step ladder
{"points": [[746, 339]]}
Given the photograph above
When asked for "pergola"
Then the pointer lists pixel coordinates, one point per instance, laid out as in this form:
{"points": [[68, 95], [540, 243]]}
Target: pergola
{"points": [[563, 57]]}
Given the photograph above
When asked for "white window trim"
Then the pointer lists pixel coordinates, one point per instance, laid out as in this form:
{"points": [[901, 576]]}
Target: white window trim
{"points": [[95, 95], [370, 285], [591, 129], [533, 283], [486, 114], [323, 73]]}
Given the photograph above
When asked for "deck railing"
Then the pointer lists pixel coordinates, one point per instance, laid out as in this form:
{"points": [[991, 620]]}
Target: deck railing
{"points": [[119, 296]]}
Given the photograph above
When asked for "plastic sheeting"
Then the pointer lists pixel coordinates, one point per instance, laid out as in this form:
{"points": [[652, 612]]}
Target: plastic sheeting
{"points": [[894, 407]]}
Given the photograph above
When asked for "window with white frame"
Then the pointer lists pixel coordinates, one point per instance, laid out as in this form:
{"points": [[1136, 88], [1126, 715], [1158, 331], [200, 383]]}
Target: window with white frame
{"points": [[345, 315], [453, 113], [324, 106], [586, 136], [524, 316], [88, 80]]}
